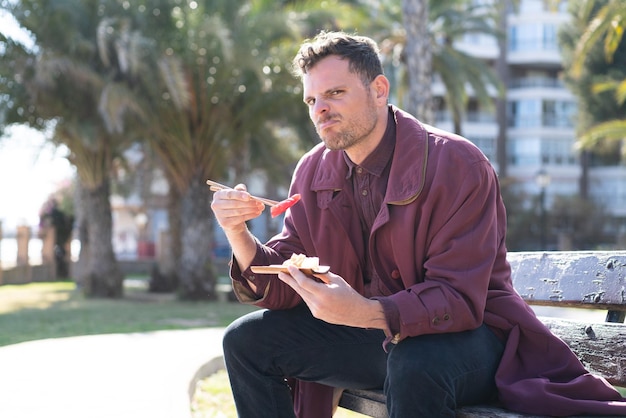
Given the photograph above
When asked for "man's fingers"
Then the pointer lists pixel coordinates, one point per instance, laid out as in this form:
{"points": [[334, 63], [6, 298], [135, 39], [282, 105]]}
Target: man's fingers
{"points": [[301, 282], [232, 208], [323, 277], [232, 194]]}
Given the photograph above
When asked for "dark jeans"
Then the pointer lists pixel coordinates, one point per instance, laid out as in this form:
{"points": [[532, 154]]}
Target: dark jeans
{"points": [[425, 376]]}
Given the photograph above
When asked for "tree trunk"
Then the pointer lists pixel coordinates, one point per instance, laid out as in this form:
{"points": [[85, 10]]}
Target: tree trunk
{"points": [[79, 271], [418, 55], [103, 277], [584, 174], [164, 276], [195, 266], [502, 70], [457, 123]]}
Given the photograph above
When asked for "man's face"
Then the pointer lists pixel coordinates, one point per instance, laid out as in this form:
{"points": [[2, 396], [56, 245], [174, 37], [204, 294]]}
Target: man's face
{"points": [[340, 106]]}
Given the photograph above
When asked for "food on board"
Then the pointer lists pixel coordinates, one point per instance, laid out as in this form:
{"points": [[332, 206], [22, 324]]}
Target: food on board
{"points": [[303, 262]]}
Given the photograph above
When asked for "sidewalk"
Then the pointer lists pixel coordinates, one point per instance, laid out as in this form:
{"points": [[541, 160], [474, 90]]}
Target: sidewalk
{"points": [[140, 375]]}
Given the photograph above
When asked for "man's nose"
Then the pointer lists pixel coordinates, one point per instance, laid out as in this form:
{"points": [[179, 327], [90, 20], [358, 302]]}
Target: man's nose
{"points": [[320, 106]]}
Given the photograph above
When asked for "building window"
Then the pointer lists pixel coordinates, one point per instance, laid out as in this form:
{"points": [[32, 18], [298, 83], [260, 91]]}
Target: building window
{"points": [[525, 113], [558, 151], [524, 151], [533, 37], [535, 113], [532, 151], [558, 113]]}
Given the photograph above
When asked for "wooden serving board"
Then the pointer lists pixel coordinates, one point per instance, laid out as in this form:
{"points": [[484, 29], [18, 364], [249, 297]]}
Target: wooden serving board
{"points": [[277, 268]]}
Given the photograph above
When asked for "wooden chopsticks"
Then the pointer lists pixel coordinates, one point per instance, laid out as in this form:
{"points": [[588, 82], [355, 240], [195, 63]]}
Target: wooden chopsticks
{"points": [[215, 186]]}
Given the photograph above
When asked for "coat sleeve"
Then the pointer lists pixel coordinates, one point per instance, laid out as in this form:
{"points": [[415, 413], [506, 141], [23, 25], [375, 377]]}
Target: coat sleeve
{"points": [[271, 292]]}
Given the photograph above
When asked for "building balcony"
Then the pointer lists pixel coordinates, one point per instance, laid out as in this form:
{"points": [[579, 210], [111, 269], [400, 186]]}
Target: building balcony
{"points": [[536, 83], [489, 118]]}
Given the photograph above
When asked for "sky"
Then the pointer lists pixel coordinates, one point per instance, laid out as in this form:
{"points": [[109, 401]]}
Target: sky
{"points": [[31, 169]]}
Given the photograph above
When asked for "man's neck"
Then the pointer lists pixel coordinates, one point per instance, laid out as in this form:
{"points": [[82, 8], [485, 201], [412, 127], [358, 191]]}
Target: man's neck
{"points": [[359, 152]]}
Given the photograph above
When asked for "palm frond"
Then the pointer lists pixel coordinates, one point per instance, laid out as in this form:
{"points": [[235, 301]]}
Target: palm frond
{"points": [[620, 92], [218, 36], [614, 130], [139, 49], [103, 34], [173, 75], [117, 103], [608, 24], [614, 35], [51, 66], [611, 85], [88, 151]]}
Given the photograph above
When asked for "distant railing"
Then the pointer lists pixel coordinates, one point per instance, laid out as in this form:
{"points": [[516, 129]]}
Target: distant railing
{"points": [[26, 267], [468, 117], [537, 82], [31, 257]]}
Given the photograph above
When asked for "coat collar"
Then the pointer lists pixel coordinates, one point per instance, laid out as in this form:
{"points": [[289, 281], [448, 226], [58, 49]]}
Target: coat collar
{"points": [[408, 167]]}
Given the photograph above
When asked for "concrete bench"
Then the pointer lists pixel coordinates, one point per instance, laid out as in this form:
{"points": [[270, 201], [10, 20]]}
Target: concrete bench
{"points": [[577, 279]]}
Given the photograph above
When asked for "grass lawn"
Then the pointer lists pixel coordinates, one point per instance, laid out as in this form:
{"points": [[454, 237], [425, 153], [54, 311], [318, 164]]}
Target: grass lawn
{"points": [[51, 310]]}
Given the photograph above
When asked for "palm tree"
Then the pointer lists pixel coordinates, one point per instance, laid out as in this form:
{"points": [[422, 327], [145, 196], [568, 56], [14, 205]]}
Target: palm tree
{"points": [[606, 28], [588, 73], [425, 46], [210, 97], [458, 70], [418, 52], [57, 85], [502, 71]]}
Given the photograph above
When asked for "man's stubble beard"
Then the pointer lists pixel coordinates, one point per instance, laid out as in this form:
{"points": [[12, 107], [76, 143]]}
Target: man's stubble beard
{"points": [[355, 132]]}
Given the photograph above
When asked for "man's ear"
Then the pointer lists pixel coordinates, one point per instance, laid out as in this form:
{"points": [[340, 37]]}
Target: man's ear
{"points": [[381, 87]]}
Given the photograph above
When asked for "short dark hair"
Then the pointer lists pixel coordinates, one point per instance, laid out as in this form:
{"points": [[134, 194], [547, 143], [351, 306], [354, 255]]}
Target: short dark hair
{"points": [[360, 51]]}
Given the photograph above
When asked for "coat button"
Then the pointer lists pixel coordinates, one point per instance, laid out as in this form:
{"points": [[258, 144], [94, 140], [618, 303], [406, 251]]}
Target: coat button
{"points": [[395, 274], [446, 317], [436, 320]]}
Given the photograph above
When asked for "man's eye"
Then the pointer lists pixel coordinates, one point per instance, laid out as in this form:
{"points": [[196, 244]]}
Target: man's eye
{"points": [[310, 102]]}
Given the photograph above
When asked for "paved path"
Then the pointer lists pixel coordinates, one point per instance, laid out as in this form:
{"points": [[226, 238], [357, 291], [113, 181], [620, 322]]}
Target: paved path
{"points": [[140, 375]]}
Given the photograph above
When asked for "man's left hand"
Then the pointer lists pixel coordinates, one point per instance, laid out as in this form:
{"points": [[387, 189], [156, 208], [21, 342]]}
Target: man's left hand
{"points": [[334, 301]]}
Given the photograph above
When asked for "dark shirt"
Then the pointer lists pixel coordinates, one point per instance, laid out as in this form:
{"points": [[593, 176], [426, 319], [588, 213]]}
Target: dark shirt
{"points": [[369, 184]]}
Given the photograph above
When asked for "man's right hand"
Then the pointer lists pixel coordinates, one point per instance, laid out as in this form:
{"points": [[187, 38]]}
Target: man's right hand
{"points": [[233, 207]]}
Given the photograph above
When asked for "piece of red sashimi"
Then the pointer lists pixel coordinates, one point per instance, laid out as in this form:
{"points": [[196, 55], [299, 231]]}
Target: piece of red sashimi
{"points": [[282, 206]]}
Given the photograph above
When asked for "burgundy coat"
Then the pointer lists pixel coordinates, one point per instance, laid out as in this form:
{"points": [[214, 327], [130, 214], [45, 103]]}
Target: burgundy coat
{"points": [[440, 236]]}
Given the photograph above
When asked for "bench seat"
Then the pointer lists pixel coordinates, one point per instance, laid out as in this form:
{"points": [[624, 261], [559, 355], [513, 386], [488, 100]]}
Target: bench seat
{"points": [[573, 279]]}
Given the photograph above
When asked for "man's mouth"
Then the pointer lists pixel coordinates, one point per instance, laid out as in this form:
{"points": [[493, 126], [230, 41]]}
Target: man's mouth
{"points": [[325, 124]]}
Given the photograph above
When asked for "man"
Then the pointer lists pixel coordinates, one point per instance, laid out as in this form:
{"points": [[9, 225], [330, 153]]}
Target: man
{"points": [[419, 299]]}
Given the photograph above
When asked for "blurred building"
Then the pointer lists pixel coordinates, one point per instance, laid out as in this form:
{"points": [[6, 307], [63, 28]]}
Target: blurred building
{"points": [[541, 111], [140, 213], [540, 136]]}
